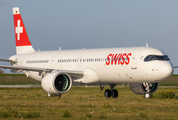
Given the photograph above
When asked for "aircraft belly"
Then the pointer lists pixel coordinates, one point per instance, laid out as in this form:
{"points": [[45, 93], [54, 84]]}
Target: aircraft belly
{"points": [[111, 75]]}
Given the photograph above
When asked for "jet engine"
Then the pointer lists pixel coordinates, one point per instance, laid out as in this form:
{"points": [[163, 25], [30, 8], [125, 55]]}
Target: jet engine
{"points": [[56, 83], [140, 88]]}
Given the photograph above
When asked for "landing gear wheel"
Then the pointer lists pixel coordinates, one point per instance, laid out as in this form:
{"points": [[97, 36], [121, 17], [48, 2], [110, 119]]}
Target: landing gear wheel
{"points": [[49, 94], [107, 93], [147, 96], [114, 93], [58, 95]]}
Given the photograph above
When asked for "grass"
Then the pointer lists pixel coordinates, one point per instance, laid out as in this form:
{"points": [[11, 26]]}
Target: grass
{"points": [[16, 79], [85, 103], [162, 94], [66, 114]]}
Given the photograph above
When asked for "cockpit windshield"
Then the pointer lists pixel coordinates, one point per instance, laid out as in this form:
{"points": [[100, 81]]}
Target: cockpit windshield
{"points": [[156, 57]]}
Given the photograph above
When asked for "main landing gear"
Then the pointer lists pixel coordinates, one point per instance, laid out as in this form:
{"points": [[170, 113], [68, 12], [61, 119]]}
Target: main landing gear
{"points": [[57, 95], [110, 92]]}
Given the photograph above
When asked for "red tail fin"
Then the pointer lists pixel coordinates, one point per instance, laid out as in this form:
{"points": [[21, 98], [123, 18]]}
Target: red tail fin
{"points": [[23, 44]]}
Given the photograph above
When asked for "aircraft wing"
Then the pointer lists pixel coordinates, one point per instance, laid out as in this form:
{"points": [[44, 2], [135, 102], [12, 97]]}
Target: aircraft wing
{"points": [[5, 60], [77, 74], [21, 68]]}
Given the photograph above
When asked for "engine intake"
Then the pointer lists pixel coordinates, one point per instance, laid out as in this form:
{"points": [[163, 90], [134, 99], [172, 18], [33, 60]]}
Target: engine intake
{"points": [[62, 82], [140, 89], [56, 83]]}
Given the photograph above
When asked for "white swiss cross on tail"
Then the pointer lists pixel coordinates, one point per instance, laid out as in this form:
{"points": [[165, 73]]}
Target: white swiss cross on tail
{"points": [[18, 30]]}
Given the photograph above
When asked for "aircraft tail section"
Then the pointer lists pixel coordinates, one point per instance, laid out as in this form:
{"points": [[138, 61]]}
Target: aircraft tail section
{"points": [[23, 44]]}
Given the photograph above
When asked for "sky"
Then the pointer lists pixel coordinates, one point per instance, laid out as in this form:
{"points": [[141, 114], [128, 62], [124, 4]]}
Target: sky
{"points": [[77, 24]]}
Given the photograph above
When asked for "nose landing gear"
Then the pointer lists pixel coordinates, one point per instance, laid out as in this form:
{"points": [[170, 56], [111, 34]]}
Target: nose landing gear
{"points": [[147, 88]]}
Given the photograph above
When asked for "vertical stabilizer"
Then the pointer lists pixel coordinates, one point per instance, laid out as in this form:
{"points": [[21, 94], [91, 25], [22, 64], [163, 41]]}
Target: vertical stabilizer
{"points": [[23, 44]]}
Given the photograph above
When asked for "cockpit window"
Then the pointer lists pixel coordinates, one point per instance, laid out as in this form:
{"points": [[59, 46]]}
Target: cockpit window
{"points": [[156, 57]]}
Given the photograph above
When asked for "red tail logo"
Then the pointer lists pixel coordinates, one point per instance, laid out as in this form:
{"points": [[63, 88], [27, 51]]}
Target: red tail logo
{"points": [[19, 29]]}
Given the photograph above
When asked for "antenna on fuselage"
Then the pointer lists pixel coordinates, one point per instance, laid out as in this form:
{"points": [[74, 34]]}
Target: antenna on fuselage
{"points": [[59, 48], [146, 44]]}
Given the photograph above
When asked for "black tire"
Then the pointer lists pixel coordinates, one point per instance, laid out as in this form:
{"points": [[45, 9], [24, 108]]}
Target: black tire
{"points": [[58, 95], [107, 93], [114, 93]]}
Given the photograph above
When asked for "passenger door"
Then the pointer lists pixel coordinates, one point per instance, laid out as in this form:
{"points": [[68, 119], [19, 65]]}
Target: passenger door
{"points": [[134, 59]]}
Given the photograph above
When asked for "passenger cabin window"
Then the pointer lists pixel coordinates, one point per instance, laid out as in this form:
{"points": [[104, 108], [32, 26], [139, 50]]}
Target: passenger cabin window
{"points": [[156, 57]]}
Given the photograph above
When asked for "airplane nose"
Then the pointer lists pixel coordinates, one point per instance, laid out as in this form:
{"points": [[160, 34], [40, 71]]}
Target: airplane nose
{"points": [[167, 70]]}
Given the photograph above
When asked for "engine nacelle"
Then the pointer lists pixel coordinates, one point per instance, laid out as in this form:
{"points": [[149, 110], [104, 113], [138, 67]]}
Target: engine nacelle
{"points": [[56, 83], [139, 88]]}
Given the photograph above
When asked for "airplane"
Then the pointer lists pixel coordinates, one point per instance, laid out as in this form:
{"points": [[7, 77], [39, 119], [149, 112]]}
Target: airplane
{"points": [[141, 67]]}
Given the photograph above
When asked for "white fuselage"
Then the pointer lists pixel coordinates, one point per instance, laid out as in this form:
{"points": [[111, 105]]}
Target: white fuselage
{"points": [[116, 65]]}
